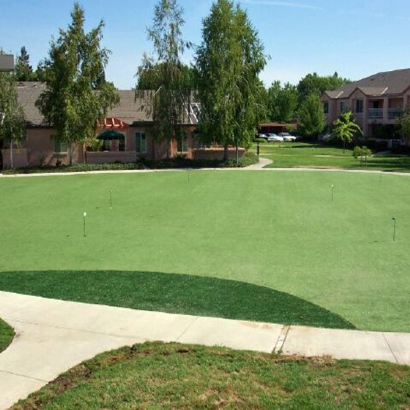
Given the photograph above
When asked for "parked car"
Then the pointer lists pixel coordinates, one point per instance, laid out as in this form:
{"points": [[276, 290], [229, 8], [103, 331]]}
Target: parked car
{"points": [[264, 136], [274, 138], [286, 136]]}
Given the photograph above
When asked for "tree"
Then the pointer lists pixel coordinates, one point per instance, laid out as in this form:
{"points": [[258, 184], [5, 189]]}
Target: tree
{"points": [[404, 124], [363, 153], [317, 85], [345, 128], [282, 101], [164, 74], [77, 93], [228, 63], [12, 123], [311, 116], [23, 69]]}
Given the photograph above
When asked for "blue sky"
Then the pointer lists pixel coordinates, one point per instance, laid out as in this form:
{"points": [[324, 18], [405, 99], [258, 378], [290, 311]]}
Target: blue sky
{"points": [[356, 38]]}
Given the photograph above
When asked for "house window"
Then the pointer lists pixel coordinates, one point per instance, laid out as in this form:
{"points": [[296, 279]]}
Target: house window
{"points": [[60, 147], [140, 143], [182, 144], [343, 106], [326, 107], [107, 145], [359, 106]]}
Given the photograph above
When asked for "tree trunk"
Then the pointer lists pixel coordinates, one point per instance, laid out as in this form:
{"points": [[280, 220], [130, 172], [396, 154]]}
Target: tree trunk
{"points": [[226, 153], [11, 154], [70, 154], [237, 153]]}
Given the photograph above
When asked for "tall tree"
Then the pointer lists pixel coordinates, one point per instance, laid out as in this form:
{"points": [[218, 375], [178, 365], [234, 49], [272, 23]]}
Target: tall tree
{"points": [[315, 84], [311, 117], [164, 74], [23, 69], [12, 123], [345, 128], [228, 63], [282, 101], [77, 93]]}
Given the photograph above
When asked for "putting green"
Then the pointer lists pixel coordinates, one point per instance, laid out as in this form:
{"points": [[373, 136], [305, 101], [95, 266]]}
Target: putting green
{"points": [[281, 230]]}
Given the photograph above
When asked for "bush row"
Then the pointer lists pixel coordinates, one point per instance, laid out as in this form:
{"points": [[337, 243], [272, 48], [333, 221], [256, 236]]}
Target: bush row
{"points": [[176, 162]]}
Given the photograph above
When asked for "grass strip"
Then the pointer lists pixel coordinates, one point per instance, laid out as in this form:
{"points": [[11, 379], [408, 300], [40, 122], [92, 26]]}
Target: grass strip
{"points": [[300, 154], [6, 335], [157, 375], [173, 293]]}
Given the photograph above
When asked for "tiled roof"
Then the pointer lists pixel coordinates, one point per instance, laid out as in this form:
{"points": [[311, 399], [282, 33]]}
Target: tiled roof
{"points": [[386, 83], [129, 110]]}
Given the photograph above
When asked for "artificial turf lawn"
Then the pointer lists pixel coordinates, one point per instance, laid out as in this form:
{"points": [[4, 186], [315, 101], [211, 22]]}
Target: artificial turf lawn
{"points": [[275, 229], [6, 335], [174, 294], [156, 375]]}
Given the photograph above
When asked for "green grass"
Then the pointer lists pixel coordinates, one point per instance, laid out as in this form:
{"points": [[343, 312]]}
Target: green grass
{"points": [[165, 376], [6, 335], [280, 230], [299, 154], [175, 294]]}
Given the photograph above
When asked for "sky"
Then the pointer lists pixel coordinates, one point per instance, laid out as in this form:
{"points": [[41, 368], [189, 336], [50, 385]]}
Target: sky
{"points": [[355, 38]]}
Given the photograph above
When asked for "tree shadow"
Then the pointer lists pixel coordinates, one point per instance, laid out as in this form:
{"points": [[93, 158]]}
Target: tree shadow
{"points": [[173, 293]]}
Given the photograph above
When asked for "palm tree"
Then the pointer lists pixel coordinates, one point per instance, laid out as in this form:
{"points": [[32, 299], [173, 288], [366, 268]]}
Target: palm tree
{"points": [[345, 128]]}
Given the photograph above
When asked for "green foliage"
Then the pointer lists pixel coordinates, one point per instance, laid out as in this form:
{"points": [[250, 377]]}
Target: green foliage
{"points": [[404, 123], [345, 128], [311, 116], [77, 94], [12, 125], [170, 82], [23, 70], [282, 102], [228, 63], [317, 85], [362, 152]]}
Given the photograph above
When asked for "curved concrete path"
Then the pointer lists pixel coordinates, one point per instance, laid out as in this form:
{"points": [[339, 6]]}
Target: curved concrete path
{"points": [[53, 336]]}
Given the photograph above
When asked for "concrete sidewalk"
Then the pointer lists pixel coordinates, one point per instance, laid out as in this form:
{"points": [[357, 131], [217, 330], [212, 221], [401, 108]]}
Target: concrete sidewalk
{"points": [[53, 336]]}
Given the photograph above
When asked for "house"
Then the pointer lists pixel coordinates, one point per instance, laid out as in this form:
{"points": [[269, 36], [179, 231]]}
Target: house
{"points": [[375, 101], [126, 133]]}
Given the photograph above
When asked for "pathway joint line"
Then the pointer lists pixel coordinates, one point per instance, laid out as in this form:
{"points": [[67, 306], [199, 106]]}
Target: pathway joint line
{"points": [[24, 376], [391, 350], [281, 339], [187, 327], [77, 329]]}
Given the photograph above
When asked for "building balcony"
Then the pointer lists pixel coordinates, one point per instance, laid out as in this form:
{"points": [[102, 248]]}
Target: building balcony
{"points": [[395, 113], [375, 113]]}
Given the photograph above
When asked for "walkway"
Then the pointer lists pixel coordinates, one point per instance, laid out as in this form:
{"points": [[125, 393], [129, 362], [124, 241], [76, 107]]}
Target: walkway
{"points": [[53, 336]]}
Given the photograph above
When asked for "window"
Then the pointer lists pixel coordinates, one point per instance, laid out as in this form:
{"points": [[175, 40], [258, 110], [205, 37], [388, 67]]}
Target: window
{"points": [[107, 144], [359, 106], [326, 107], [182, 144], [140, 143], [343, 106], [60, 147]]}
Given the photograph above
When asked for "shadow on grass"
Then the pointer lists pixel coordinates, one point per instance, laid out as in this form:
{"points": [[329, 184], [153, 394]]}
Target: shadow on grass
{"points": [[173, 293]]}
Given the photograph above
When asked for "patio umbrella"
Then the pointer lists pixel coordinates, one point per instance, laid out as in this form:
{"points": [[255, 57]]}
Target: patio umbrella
{"points": [[110, 135]]}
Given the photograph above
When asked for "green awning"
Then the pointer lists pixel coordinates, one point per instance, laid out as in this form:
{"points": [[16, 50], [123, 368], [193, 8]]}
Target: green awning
{"points": [[110, 135]]}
